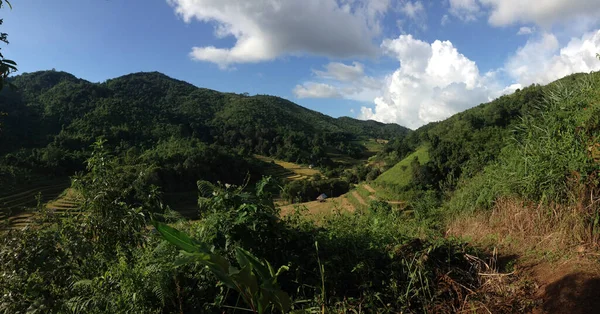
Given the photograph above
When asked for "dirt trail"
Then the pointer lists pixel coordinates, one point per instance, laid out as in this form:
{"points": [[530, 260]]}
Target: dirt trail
{"points": [[359, 198], [396, 202], [567, 287], [369, 188]]}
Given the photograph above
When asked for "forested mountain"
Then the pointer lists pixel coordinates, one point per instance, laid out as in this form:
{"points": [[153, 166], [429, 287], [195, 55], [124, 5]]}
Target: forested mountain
{"points": [[54, 117], [465, 143]]}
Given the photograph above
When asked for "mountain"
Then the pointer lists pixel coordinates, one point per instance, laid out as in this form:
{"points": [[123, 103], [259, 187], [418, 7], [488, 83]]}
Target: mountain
{"points": [[529, 124], [54, 117]]}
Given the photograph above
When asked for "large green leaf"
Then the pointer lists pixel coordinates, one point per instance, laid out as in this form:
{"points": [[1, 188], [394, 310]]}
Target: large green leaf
{"points": [[178, 238], [244, 257], [246, 279]]}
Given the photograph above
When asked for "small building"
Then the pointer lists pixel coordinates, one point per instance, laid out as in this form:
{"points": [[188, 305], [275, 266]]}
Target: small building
{"points": [[322, 198]]}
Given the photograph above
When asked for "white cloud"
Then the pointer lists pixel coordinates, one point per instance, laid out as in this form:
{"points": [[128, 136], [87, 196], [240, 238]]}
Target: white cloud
{"points": [[413, 10], [445, 20], [433, 82], [340, 80], [267, 29], [526, 30], [316, 90], [342, 72], [545, 13], [541, 60], [466, 10]]}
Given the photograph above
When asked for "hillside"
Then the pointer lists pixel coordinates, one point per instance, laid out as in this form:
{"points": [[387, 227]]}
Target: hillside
{"points": [[54, 117]]}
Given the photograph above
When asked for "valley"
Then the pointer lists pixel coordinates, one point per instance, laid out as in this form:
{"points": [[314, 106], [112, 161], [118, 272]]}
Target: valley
{"points": [[469, 214]]}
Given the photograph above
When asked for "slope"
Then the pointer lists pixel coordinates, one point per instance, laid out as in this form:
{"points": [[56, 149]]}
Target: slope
{"points": [[54, 118]]}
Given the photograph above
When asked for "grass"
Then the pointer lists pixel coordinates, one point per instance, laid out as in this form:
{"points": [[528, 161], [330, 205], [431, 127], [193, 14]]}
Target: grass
{"points": [[355, 202], [400, 175], [364, 193]]}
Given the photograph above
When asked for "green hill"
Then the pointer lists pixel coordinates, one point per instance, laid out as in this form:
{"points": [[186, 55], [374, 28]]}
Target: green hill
{"points": [[401, 174], [54, 117]]}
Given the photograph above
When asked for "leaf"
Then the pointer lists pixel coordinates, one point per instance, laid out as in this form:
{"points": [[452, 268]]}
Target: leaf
{"points": [[261, 270], [176, 237], [283, 300], [245, 277]]}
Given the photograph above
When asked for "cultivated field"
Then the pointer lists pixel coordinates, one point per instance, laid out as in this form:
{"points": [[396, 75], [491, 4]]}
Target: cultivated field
{"points": [[17, 205], [357, 199], [287, 170]]}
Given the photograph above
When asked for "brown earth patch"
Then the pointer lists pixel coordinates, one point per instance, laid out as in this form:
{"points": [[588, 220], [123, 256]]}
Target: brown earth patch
{"points": [[369, 188]]}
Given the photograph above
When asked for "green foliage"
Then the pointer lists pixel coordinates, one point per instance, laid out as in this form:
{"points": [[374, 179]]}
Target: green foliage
{"points": [[380, 206], [6, 66], [549, 158], [108, 260], [255, 281], [190, 133], [308, 190]]}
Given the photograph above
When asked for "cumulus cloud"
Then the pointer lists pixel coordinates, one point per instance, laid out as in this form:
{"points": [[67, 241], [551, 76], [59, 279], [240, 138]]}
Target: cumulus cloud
{"points": [[466, 10], [433, 82], [526, 30], [316, 90], [542, 60], [266, 29], [545, 13]]}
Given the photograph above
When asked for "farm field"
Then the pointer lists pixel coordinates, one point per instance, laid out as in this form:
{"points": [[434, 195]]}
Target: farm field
{"points": [[16, 203], [287, 170]]}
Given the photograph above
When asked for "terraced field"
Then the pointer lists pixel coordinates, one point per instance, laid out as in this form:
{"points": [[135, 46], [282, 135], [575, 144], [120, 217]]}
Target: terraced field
{"points": [[17, 204], [287, 170]]}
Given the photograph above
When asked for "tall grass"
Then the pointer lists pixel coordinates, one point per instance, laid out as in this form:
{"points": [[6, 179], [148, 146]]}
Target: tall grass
{"points": [[549, 161]]}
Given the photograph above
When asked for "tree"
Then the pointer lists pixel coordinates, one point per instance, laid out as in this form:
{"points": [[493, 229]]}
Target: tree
{"points": [[6, 66]]}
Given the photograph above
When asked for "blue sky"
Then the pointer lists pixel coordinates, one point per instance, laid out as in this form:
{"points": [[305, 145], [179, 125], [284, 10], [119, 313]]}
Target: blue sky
{"points": [[409, 62]]}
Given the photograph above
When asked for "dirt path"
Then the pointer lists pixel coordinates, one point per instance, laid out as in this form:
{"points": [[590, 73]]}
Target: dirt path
{"points": [[369, 188], [359, 198], [395, 202], [571, 286]]}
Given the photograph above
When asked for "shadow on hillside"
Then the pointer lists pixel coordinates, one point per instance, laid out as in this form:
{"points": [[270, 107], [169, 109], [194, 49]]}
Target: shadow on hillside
{"points": [[577, 293]]}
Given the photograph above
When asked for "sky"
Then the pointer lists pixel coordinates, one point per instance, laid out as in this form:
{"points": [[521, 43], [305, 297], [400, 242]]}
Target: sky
{"points": [[402, 61]]}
